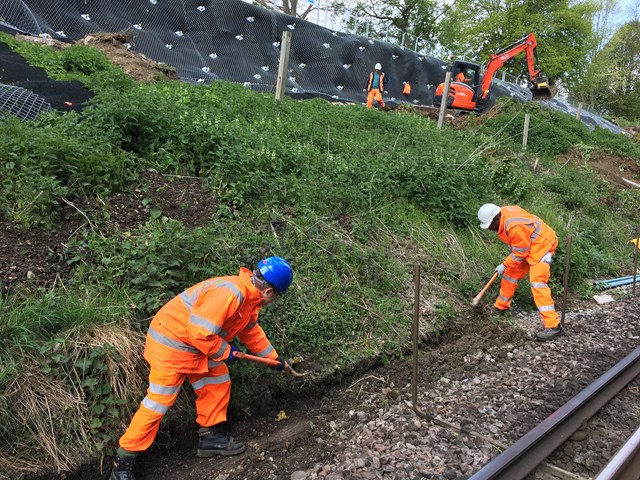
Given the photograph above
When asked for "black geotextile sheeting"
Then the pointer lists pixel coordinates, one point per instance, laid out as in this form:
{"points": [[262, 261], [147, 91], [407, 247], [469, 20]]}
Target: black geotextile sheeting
{"points": [[207, 40], [65, 96]]}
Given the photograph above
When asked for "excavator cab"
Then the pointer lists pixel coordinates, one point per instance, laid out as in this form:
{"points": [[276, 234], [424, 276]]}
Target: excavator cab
{"points": [[464, 89]]}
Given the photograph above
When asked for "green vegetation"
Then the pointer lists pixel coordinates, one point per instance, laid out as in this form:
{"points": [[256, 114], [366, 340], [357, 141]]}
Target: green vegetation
{"points": [[352, 197]]}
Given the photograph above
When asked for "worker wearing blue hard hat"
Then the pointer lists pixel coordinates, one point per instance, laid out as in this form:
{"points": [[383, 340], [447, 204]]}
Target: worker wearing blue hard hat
{"points": [[190, 338]]}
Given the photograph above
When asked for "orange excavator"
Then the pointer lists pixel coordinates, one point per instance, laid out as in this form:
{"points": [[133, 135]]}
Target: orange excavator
{"points": [[469, 87]]}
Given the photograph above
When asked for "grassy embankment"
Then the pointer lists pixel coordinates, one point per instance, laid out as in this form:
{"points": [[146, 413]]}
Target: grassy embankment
{"points": [[352, 197]]}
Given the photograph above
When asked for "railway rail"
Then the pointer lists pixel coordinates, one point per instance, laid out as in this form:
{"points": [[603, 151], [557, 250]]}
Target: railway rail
{"points": [[517, 461]]}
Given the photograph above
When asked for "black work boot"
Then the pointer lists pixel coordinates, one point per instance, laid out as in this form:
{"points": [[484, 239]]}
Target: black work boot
{"points": [[123, 469], [550, 333], [214, 441]]}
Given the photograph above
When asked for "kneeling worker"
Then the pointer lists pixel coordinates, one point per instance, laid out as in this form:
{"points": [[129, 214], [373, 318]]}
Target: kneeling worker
{"points": [[533, 244], [189, 338]]}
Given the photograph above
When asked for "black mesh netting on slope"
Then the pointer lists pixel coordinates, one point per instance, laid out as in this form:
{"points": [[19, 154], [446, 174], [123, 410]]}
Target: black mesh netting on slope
{"points": [[208, 40]]}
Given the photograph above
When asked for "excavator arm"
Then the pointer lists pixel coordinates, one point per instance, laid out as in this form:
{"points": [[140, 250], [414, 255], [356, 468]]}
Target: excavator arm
{"points": [[528, 44]]}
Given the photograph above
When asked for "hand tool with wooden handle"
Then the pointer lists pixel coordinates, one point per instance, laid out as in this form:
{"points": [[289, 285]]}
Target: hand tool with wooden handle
{"points": [[478, 297], [268, 361]]}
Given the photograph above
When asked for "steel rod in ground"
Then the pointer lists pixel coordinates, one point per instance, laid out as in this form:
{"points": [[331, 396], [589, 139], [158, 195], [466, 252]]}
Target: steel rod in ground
{"points": [[565, 281], [517, 461], [415, 334], [635, 259]]}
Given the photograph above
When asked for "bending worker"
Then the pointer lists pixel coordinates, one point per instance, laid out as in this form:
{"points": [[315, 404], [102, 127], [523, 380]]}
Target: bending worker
{"points": [[532, 244], [189, 338], [375, 87]]}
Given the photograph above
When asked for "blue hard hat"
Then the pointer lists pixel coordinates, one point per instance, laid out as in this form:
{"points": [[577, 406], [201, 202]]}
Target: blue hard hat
{"points": [[277, 272]]}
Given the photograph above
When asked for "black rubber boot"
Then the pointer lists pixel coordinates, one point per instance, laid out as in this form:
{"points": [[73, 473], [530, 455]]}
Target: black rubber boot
{"points": [[123, 469], [214, 441], [550, 333]]}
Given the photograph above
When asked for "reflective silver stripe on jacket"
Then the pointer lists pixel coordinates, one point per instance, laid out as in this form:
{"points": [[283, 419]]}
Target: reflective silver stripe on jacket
{"points": [[189, 300], [155, 406], [171, 343], [212, 363], [162, 390], [207, 325], [211, 381], [517, 259], [547, 308], [536, 232], [504, 299], [510, 279], [539, 285], [518, 249], [537, 224], [250, 326], [222, 349], [266, 351]]}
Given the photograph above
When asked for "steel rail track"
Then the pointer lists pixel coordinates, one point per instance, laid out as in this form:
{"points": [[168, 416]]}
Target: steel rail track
{"points": [[517, 461], [625, 464]]}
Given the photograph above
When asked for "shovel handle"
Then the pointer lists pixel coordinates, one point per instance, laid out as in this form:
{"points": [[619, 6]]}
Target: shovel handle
{"points": [[478, 297], [267, 361]]}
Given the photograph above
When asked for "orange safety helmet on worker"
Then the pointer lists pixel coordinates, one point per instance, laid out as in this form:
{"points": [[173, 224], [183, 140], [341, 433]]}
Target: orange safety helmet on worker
{"points": [[375, 87], [190, 337], [532, 244]]}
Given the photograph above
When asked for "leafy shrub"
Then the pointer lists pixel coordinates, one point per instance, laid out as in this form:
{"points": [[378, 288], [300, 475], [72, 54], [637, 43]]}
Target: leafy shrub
{"points": [[87, 60]]}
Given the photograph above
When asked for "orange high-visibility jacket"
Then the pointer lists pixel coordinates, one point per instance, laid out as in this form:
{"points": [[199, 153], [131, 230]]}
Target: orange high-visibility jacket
{"points": [[407, 89], [199, 323], [371, 81], [528, 236]]}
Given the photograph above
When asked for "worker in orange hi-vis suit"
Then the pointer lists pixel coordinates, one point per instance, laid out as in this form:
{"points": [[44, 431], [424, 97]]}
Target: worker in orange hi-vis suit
{"points": [[375, 87], [533, 244], [406, 90], [189, 338]]}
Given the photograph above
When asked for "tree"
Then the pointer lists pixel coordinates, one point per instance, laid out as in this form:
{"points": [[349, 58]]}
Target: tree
{"points": [[622, 93], [588, 86], [290, 7], [563, 28], [396, 19]]}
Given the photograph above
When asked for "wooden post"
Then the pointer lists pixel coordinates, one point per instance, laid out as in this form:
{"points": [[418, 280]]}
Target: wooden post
{"points": [[283, 67], [445, 98], [525, 132], [415, 334], [579, 112], [565, 282], [635, 260]]}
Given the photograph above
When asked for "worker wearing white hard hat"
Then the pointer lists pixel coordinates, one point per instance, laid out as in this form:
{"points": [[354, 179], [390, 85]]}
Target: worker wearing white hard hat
{"points": [[533, 244], [375, 87]]}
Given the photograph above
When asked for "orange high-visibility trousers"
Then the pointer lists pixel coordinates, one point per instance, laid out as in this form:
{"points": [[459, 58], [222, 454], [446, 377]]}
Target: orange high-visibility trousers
{"points": [[538, 277], [213, 390], [374, 93]]}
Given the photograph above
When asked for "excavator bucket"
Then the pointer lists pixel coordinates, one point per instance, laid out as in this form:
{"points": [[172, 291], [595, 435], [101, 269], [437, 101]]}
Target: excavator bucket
{"points": [[541, 91]]}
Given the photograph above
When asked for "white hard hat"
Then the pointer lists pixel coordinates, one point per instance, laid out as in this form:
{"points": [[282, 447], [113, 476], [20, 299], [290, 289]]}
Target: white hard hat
{"points": [[378, 66], [487, 213]]}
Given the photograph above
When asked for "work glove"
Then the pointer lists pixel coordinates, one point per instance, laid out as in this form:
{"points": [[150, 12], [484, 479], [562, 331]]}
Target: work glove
{"points": [[500, 269], [231, 358], [281, 364], [547, 258]]}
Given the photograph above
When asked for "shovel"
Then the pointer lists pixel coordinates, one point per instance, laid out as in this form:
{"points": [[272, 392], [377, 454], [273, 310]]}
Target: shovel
{"points": [[268, 361]]}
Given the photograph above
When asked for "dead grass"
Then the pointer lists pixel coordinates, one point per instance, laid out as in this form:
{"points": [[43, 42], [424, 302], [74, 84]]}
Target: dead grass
{"points": [[49, 419]]}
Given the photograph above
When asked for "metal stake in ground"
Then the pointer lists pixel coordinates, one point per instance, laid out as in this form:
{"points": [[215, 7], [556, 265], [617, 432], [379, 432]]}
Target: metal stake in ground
{"points": [[565, 281], [636, 245], [416, 334]]}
